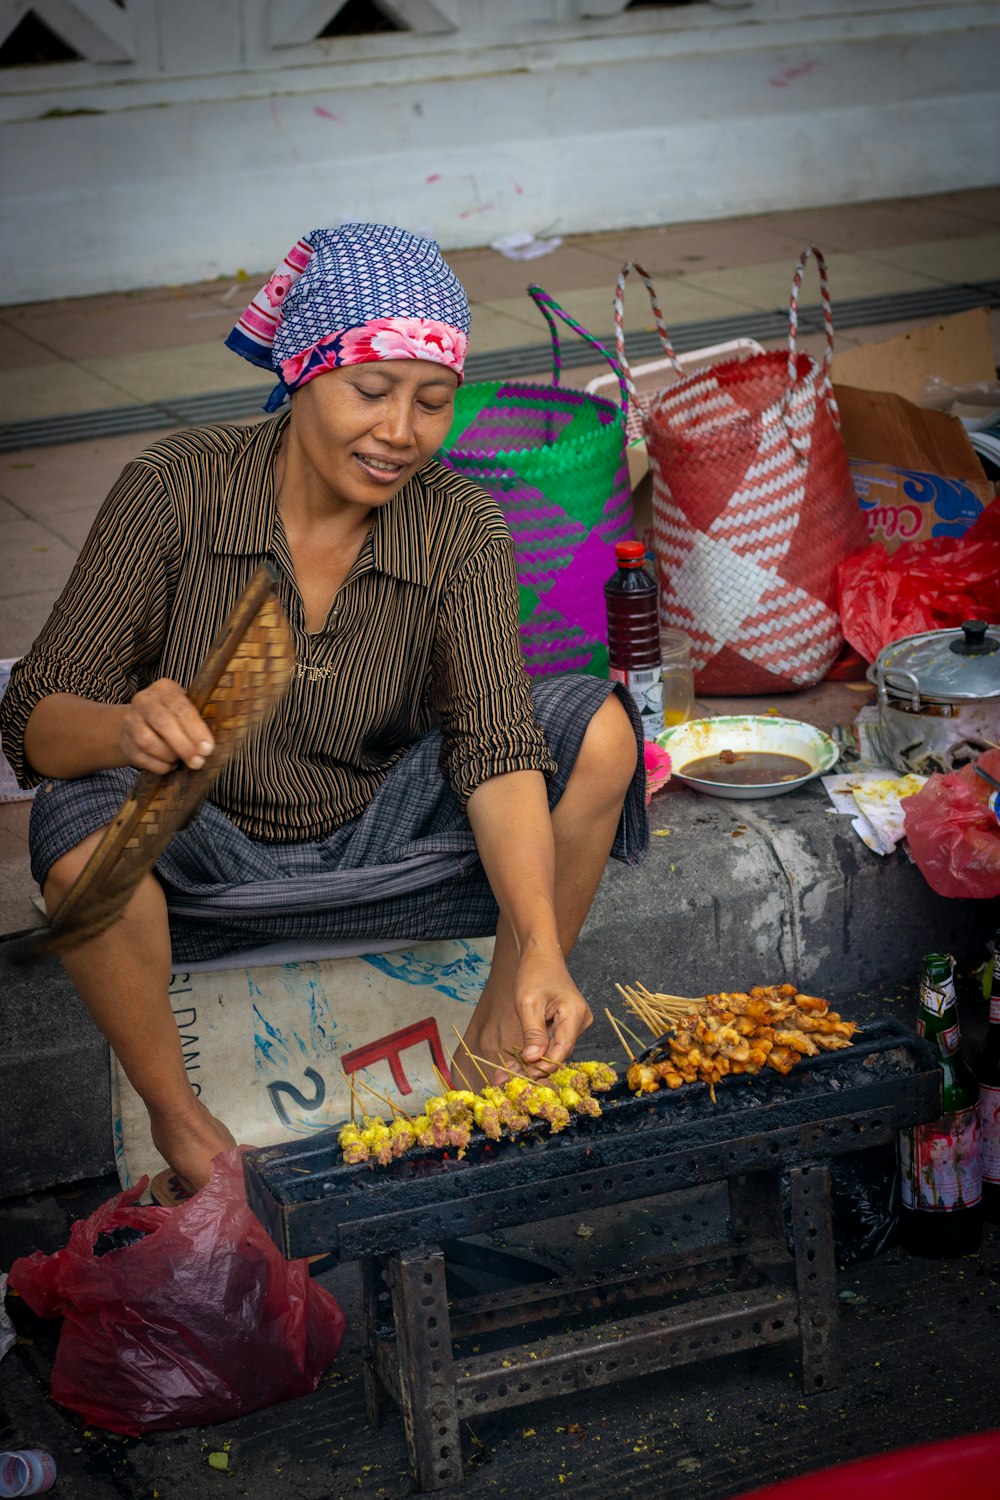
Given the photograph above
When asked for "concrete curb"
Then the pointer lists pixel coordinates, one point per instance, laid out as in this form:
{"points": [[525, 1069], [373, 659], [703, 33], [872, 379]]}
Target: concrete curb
{"points": [[734, 894]]}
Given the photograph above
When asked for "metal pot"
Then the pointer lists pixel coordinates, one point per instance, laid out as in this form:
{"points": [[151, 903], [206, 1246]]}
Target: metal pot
{"points": [[938, 697]]}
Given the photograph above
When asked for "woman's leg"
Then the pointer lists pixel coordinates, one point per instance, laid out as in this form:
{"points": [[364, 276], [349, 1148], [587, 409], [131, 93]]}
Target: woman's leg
{"points": [[123, 978], [584, 823]]}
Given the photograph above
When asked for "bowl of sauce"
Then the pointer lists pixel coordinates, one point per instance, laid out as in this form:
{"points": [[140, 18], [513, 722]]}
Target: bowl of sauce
{"points": [[743, 756]]}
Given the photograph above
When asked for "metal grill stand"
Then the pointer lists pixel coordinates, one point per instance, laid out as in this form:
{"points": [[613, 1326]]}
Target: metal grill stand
{"points": [[396, 1227]]}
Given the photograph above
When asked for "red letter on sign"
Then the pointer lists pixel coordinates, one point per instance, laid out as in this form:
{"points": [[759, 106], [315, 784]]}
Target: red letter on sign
{"points": [[388, 1049]]}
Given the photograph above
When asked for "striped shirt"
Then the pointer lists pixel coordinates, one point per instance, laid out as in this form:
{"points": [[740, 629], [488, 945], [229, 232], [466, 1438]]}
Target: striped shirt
{"points": [[424, 629]]}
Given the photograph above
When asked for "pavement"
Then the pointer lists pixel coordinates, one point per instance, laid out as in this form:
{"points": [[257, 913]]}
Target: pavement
{"points": [[779, 887]]}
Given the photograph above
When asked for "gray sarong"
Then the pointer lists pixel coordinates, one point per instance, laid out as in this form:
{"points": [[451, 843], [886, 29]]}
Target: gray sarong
{"points": [[406, 868]]}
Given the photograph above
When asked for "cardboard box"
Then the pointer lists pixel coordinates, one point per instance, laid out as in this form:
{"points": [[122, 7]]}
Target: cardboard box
{"points": [[915, 472], [957, 350]]}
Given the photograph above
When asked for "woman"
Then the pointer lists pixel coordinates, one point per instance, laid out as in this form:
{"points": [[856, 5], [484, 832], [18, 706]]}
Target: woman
{"points": [[406, 785]]}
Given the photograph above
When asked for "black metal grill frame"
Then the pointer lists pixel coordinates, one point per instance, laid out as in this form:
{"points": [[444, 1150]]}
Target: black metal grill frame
{"points": [[396, 1220]]}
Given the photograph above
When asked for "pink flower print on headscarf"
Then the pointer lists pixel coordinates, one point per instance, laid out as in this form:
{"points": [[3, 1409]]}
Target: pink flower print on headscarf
{"points": [[277, 288], [302, 367], [404, 338]]}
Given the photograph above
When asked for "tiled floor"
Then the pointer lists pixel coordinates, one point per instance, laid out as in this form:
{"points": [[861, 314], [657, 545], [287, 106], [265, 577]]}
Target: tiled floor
{"points": [[77, 356]]}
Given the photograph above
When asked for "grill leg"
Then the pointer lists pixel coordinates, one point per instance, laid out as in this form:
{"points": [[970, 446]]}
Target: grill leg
{"points": [[816, 1277], [756, 1222], [371, 1285], [426, 1373]]}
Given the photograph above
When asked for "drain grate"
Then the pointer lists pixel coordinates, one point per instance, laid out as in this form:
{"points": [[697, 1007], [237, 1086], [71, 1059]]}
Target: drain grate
{"points": [[509, 364]]}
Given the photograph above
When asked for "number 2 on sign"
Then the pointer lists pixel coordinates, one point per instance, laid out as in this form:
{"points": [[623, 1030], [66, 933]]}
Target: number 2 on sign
{"points": [[279, 1087]]}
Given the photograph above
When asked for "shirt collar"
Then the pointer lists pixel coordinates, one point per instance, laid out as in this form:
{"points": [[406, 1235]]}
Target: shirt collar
{"points": [[246, 523], [399, 532]]}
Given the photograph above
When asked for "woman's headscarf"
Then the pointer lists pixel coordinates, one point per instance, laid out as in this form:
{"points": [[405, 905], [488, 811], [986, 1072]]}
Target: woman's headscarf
{"points": [[351, 295]]}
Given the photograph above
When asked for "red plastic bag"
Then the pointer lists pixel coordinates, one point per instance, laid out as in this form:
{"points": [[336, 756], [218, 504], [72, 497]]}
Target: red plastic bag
{"points": [[200, 1321], [932, 585], [953, 830]]}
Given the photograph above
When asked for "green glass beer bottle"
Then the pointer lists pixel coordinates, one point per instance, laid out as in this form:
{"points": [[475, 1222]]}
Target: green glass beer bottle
{"points": [[986, 1065], [939, 1164]]}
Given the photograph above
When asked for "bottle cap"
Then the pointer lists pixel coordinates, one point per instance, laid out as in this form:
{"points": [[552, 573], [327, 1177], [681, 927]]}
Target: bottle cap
{"points": [[630, 554]]}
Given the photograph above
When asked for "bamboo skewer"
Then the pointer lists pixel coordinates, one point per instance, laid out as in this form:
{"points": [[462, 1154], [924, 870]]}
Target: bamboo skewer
{"points": [[657, 1010], [397, 1109], [443, 1083], [515, 1072], [355, 1100], [475, 1059], [641, 1009], [454, 1068], [628, 1050], [636, 1039]]}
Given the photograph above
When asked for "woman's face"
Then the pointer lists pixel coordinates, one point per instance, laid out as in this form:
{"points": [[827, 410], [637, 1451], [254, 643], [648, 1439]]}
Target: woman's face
{"points": [[363, 430]]}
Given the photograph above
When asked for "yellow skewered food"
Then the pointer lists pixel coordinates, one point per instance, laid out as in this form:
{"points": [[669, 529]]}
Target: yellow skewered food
{"points": [[448, 1119]]}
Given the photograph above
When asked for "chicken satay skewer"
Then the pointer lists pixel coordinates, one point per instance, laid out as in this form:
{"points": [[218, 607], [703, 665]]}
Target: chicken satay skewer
{"points": [[617, 1030]]}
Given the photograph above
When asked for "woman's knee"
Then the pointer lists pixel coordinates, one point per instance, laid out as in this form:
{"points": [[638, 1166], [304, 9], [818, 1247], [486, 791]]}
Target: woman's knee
{"points": [[609, 749], [66, 869]]}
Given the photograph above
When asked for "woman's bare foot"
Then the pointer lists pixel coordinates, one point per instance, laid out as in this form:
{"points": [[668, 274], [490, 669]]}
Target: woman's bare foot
{"points": [[188, 1139]]}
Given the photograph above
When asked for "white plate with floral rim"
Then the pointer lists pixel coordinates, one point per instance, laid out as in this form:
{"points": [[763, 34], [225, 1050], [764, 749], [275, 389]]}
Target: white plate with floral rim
{"points": [[735, 745]]}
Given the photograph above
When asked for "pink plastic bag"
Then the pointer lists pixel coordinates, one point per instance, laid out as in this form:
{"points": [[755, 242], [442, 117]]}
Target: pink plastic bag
{"points": [[199, 1321], [953, 831], [932, 585]]}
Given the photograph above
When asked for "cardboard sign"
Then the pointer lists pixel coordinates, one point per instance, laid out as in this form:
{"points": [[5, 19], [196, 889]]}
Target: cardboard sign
{"points": [[270, 1048], [915, 472]]}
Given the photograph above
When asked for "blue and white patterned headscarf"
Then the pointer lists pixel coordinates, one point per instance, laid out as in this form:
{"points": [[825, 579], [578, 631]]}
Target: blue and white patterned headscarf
{"points": [[351, 295]]}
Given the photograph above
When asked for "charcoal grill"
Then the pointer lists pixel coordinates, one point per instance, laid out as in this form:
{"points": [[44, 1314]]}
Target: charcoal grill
{"points": [[396, 1219]]}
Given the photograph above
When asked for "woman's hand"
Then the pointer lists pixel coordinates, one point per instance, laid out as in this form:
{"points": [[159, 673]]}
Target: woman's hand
{"points": [[551, 1011], [160, 727], [68, 736], [542, 1026]]}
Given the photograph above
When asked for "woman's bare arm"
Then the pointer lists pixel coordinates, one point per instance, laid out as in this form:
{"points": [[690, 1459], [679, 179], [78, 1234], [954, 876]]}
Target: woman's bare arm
{"points": [[68, 736]]}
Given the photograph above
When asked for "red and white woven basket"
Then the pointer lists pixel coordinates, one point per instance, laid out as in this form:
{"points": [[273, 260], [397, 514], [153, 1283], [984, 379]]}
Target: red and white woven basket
{"points": [[753, 508]]}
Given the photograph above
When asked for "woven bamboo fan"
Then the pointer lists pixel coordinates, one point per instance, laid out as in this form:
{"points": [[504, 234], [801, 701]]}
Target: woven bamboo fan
{"points": [[243, 675]]}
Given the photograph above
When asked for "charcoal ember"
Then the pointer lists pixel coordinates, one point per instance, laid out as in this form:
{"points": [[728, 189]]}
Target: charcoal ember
{"points": [[118, 1239]]}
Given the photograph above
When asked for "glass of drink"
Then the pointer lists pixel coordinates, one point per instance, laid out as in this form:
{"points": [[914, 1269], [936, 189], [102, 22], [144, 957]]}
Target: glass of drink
{"points": [[678, 682]]}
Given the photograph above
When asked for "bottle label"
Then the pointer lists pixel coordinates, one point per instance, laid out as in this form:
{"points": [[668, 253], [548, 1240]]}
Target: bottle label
{"points": [[937, 998], [947, 1040], [989, 1132], [646, 686], [939, 1164]]}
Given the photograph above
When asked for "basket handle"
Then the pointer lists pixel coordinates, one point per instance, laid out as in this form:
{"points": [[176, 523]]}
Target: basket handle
{"points": [[547, 306], [668, 348], [826, 382]]}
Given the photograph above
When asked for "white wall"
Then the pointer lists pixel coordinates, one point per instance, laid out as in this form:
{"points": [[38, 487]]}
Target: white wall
{"points": [[201, 136]]}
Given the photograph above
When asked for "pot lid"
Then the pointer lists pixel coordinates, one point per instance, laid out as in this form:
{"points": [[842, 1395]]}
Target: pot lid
{"points": [[953, 665]]}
